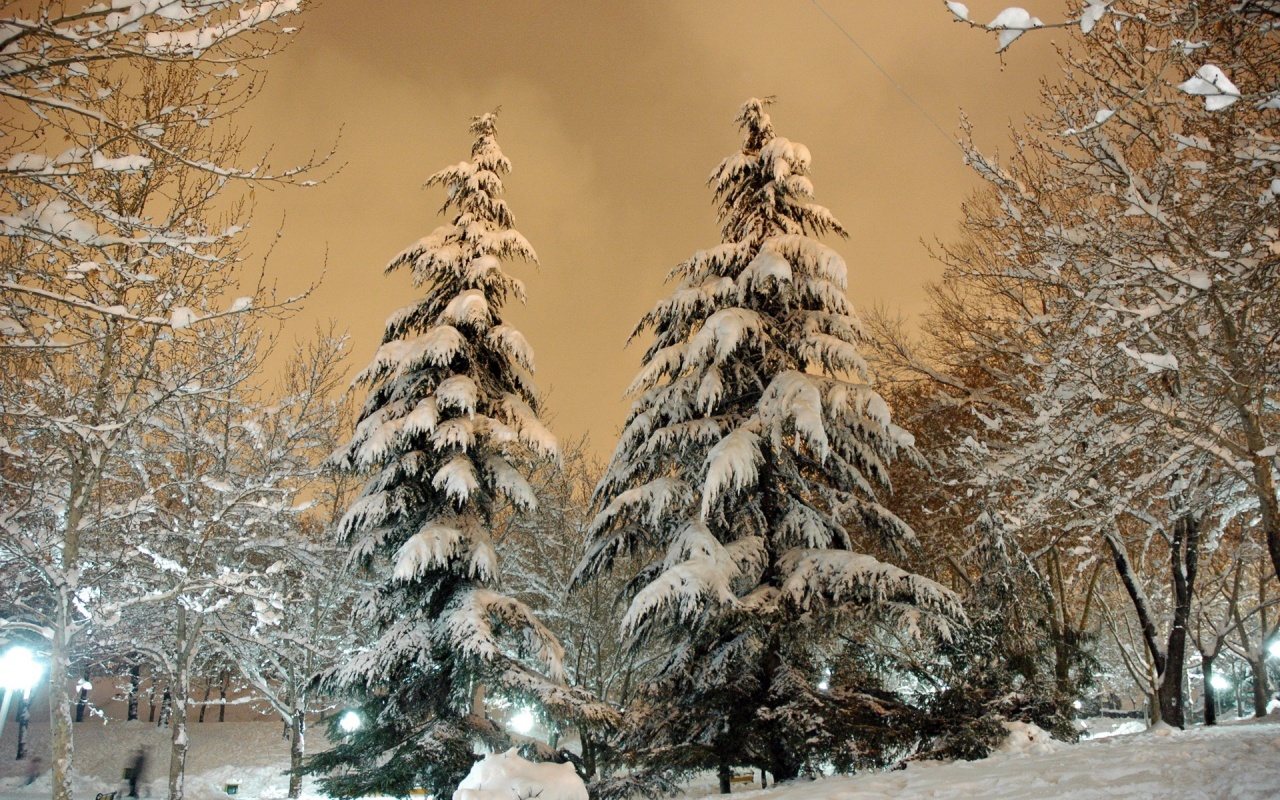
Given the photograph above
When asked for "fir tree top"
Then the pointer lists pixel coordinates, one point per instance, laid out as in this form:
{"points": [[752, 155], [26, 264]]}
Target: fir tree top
{"points": [[756, 446]]}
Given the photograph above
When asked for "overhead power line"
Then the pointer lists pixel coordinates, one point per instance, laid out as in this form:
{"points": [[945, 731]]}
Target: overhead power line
{"points": [[901, 89]]}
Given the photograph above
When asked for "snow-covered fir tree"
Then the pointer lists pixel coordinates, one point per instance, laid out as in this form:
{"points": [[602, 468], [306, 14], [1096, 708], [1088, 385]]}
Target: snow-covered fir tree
{"points": [[451, 395], [751, 466], [1016, 662]]}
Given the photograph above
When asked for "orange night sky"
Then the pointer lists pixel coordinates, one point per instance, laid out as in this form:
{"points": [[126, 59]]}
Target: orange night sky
{"points": [[613, 114]]}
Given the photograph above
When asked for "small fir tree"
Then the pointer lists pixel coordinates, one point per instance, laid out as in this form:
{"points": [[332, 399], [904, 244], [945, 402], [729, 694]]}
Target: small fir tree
{"points": [[1012, 664], [451, 396], [751, 464]]}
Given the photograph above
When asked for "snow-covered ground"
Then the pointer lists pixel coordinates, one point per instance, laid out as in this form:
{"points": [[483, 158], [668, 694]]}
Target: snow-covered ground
{"points": [[1232, 762], [251, 754]]}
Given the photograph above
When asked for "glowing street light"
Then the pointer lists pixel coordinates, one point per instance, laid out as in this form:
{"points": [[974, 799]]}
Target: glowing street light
{"points": [[1219, 682], [19, 672], [522, 722], [350, 722], [1274, 649]]}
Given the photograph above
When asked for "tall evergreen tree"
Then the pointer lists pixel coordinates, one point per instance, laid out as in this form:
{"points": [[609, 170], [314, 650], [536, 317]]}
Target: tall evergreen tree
{"points": [[451, 394], [750, 464]]}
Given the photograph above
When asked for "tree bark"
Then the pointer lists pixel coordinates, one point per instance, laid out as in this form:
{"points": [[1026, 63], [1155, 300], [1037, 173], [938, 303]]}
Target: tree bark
{"points": [[166, 708], [588, 754], [222, 697], [204, 703], [1145, 619], [1269, 506], [297, 748], [1210, 693], [135, 678], [726, 785], [60, 697], [187, 633], [1184, 554], [1258, 669], [24, 720]]}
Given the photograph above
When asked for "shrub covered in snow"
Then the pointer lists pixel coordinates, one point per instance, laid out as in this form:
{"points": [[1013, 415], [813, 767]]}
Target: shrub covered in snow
{"points": [[507, 776]]}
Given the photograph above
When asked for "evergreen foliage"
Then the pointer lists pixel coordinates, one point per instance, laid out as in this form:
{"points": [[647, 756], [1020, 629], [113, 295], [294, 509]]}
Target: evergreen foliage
{"points": [[751, 463], [451, 397], [1006, 667]]}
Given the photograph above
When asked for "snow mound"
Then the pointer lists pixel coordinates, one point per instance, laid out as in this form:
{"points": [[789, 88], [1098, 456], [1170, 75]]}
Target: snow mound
{"points": [[507, 776], [1123, 729], [1028, 738], [1162, 728]]}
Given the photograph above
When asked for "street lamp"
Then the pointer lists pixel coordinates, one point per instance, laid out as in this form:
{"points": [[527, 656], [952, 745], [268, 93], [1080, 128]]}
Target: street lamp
{"points": [[1274, 649], [19, 672], [350, 722], [1220, 684], [522, 722]]}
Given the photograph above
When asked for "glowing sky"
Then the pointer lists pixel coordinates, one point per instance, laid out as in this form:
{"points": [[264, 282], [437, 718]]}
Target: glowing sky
{"points": [[613, 114]]}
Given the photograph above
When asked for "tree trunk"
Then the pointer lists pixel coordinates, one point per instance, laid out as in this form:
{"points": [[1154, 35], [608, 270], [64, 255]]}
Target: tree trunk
{"points": [[781, 765], [166, 708], [1058, 624], [1184, 553], [24, 720], [1210, 693], [135, 678], [187, 635], [60, 698], [222, 697], [726, 786], [297, 748], [1124, 570], [1269, 506], [588, 755], [1258, 669], [204, 703]]}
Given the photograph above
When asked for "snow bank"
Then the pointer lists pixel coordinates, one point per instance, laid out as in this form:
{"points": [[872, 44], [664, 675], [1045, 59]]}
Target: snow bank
{"points": [[507, 776], [1236, 761], [1028, 738]]}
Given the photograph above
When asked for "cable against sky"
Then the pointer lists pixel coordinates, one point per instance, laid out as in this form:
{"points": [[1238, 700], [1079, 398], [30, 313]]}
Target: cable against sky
{"points": [[901, 89]]}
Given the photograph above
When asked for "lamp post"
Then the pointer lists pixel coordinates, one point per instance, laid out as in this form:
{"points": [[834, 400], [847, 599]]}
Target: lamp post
{"points": [[19, 672], [1220, 684]]}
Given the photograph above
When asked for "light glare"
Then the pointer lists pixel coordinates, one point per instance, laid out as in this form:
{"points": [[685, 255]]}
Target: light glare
{"points": [[350, 722], [19, 670], [522, 722]]}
